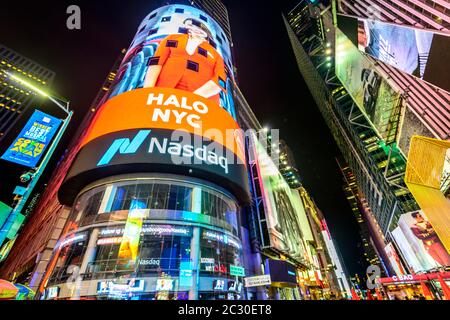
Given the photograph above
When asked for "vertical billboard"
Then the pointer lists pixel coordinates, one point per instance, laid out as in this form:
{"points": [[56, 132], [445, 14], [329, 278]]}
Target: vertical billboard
{"points": [[418, 242], [421, 53], [30, 144], [282, 206], [170, 110], [378, 101], [394, 259]]}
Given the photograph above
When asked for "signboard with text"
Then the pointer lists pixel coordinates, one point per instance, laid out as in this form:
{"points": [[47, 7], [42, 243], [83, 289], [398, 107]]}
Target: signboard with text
{"points": [[32, 141], [237, 271], [257, 281]]}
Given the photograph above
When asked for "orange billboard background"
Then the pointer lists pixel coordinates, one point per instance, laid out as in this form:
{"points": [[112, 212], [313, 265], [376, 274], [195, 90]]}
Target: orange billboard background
{"points": [[134, 110]]}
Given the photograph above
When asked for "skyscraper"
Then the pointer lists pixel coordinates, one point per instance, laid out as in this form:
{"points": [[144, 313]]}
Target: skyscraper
{"points": [[145, 204], [15, 101], [217, 10], [369, 251], [376, 91], [30, 256]]}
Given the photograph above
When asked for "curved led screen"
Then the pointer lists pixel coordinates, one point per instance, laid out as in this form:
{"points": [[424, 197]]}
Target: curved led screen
{"points": [[170, 109]]}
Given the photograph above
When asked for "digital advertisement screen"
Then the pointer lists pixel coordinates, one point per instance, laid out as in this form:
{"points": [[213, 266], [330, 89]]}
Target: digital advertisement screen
{"points": [[282, 206], [180, 47], [377, 100], [170, 106], [421, 53], [394, 259], [419, 243], [29, 146]]}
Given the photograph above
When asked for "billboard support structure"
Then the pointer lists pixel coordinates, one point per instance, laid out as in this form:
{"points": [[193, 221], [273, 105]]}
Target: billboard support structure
{"points": [[423, 172], [4, 231]]}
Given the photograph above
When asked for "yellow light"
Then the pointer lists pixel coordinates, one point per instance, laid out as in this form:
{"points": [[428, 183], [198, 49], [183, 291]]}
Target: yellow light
{"points": [[27, 84]]}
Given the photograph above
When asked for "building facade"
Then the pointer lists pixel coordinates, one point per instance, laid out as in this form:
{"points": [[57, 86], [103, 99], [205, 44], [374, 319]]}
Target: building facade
{"points": [[153, 226], [32, 250], [15, 101], [375, 97], [18, 112]]}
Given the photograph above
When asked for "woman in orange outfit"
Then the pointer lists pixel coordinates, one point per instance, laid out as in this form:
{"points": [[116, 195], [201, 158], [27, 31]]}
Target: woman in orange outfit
{"points": [[188, 62]]}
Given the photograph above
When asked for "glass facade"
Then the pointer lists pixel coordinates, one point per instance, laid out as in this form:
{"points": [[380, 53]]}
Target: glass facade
{"points": [[150, 238]]}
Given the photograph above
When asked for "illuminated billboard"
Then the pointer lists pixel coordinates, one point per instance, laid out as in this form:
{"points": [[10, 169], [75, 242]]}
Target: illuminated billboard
{"points": [[417, 52], [170, 109], [377, 100], [419, 243], [180, 47], [282, 206], [394, 259], [32, 141]]}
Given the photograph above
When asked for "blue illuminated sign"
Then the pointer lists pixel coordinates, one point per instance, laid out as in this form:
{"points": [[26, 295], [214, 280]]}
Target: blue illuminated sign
{"points": [[32, 141], [124, 146]]}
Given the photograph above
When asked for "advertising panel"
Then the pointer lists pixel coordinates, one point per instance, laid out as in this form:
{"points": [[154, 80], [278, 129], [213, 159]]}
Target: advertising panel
{"points": [[257, 281], [282, 206], [282, 271], [377, 100], [417, 52], [32, 141], [170, 109], [180, 47], [419, 243], [129, 247], [394, 259]]}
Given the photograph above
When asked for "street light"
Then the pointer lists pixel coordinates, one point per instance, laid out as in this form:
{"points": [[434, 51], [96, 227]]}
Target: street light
{"points": [[63, 105]]}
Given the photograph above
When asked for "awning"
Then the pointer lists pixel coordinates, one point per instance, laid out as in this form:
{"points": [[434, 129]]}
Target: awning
{"points": [[413, 278]]}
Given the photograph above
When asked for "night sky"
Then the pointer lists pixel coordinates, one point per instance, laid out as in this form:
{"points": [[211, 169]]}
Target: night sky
{"points": [[267, 72]]}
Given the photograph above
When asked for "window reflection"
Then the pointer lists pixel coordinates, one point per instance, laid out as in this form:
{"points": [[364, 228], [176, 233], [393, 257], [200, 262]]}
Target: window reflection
{"points": [[110, 202], [161, 232]]}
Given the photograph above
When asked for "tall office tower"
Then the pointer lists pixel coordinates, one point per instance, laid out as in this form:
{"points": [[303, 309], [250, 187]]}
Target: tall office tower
{"points": [[370, 252], [338, 263], [323, 279], [15, 100], [287, 164], [155, 210], [377, 72], [30, 256], [217, 10], [18, 113]]}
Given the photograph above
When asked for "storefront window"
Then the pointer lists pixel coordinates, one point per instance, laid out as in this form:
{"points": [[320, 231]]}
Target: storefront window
{"points": [[156, 232], [111, 203]]}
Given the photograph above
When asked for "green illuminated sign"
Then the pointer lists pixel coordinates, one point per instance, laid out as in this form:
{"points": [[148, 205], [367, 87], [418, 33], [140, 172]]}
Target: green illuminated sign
{"points": [[237, 271], [15, 227], [4, 212]]}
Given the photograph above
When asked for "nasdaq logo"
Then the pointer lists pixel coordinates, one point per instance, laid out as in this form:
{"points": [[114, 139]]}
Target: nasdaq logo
{"points": [[124, 146], [180, 153]]}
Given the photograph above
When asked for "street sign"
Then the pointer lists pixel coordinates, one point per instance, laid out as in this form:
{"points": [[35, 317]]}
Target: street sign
{"points": [[257, 281], [237, 271], [5, 210]]}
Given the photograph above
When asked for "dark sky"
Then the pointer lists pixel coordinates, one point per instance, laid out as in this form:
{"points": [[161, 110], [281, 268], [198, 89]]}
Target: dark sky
{"points": [[268, 77]]}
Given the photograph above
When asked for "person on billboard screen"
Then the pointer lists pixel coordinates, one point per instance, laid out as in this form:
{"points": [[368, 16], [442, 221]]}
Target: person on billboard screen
{"points": [[188, 61], [424, 231], [404, 48]]}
